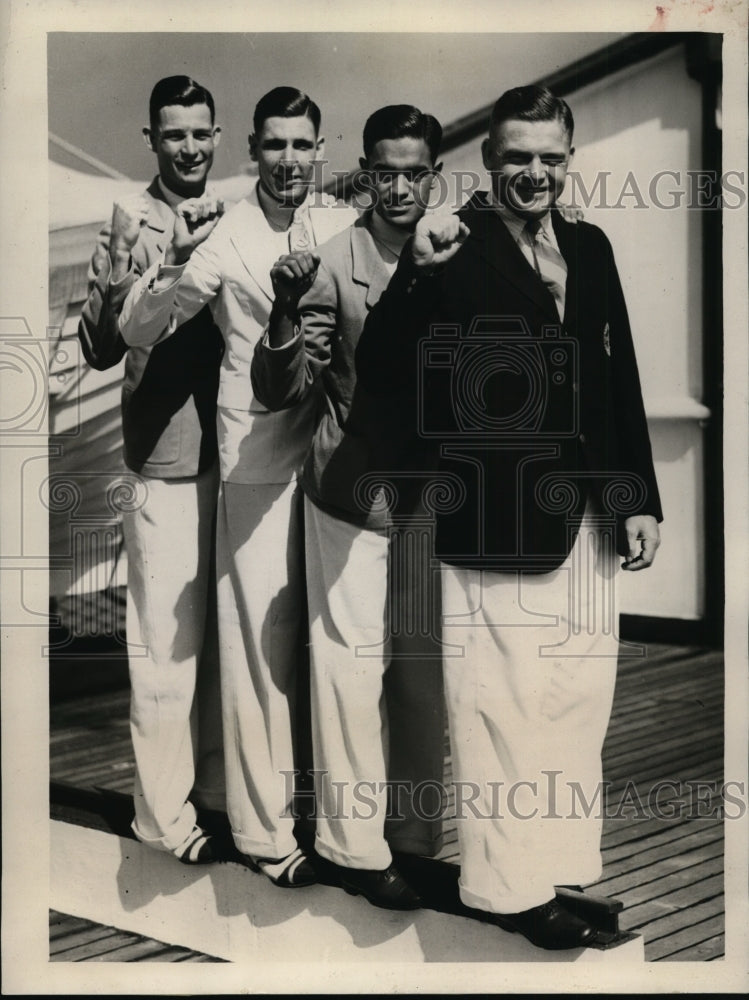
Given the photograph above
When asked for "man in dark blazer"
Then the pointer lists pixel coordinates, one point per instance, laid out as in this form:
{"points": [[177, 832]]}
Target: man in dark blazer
{"points": [[169, 431], [505, 331]]}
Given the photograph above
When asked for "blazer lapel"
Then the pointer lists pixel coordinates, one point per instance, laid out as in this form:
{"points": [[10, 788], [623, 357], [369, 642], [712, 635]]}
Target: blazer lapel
{"points": [[367, 267], [497, 246], [325, 218], [160, 216], [247, 238], [568, 235]]}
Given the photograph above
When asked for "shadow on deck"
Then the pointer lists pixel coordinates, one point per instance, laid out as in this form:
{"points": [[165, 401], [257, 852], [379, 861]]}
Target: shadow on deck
{"points": [[663, 830]]}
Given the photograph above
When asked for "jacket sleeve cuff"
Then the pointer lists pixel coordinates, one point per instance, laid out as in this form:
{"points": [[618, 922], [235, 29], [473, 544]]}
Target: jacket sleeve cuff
{"points": [[146, 315], [290, 345], [125, 281], [166, 277]]}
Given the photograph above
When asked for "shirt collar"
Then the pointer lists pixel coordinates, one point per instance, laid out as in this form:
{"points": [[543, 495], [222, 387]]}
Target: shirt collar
{"points": [[392, 238], [173, 200], [515, 224], [280, 217]]}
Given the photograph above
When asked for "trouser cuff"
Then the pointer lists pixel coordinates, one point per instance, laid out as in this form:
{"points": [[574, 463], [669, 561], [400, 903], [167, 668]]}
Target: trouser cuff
{"points": [[376, 861], [264, 848]]}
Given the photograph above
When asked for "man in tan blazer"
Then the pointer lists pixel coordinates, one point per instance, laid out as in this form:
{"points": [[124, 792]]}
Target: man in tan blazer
{"points": [[224, 261], [357, 648], [169, 432]]}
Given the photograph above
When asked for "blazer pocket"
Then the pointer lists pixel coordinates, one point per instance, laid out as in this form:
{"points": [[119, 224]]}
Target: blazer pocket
{"points": [[337, 463], [151, 433]]}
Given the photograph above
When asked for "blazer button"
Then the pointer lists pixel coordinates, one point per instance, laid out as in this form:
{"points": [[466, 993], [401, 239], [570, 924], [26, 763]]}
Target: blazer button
{"points": [[581, 438]]}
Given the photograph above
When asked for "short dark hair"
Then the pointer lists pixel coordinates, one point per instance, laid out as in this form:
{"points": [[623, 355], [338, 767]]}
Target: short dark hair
{"points": [[177, 90], [285, 102], [533, 104], [398, 120]]}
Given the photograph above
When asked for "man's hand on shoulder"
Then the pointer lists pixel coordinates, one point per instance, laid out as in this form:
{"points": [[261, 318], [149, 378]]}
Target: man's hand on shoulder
{"points": [[437, 239], [570, 213], [196, 219], [644, 538]]}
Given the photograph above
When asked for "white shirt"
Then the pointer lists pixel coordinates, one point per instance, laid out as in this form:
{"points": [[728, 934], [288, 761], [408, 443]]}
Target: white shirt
{"points": [[277, 240], [520, 234], [389, 241]]}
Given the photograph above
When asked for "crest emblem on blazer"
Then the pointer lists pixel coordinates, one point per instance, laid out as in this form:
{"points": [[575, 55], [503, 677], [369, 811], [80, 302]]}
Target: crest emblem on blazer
{"points": [[607, 340]]}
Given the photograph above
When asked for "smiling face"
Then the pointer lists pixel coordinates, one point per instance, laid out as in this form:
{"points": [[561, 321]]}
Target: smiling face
{"points": [[403, 175], [285, 150], [528, 162], [184, 141]]}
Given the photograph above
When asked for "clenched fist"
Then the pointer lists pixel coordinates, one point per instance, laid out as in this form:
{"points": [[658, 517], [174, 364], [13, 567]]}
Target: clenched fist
{"points": [[292, 275], [196, 219], [129, 215], [437, 238]]}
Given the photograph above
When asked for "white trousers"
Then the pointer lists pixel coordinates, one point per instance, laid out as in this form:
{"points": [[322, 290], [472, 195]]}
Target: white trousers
{"points": [[261, 609], [175, 715], [354, 731], [528, 705]]}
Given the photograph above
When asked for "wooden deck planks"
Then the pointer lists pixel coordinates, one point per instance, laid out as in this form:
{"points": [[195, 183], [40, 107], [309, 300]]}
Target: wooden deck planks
{"points": [[666, 724], [674, 944], [664, 926], [652, 907], [73, 939], [701, 842], [669, 873]]}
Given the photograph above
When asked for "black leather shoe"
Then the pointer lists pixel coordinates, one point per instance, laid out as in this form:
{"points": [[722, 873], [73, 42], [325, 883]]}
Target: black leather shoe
{"points": [[295, 871], [198, 848], [549, 926], [385, 888]]}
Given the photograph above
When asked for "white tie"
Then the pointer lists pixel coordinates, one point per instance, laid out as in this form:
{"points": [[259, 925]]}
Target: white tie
{"points": [[299, 238]]}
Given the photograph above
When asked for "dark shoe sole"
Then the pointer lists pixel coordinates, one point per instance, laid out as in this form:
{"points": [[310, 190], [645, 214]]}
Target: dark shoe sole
{"points": [[293, 885], [282, 883], [353, 891], [506, 925]]}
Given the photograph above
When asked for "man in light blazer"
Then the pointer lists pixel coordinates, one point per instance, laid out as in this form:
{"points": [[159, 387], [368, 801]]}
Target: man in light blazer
{"points": [[322, 301], [224, 261], [169, 433], [507, 329]]}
